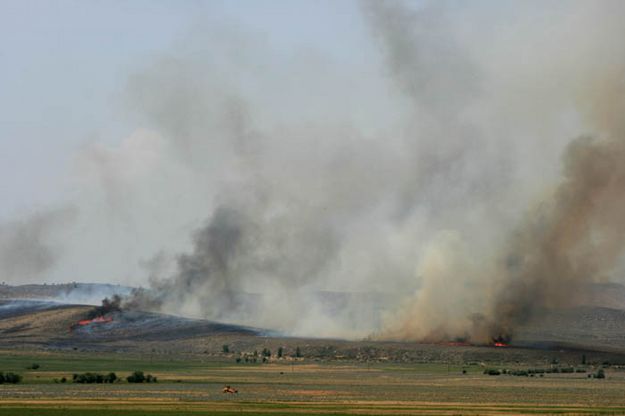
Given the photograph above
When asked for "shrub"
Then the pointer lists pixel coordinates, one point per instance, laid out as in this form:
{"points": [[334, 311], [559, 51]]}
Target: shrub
{"points": [[298, 352], [280, 351], [600, 373], [492, 372], [136, 377], [10, 378], [85, 378], [34, 366], [139, 377], [93, 378], [225, 348]]}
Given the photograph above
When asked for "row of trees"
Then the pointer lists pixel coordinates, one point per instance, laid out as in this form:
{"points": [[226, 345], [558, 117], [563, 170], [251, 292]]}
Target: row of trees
{"points": [[265, 353], [542, 371], [96, 378]]}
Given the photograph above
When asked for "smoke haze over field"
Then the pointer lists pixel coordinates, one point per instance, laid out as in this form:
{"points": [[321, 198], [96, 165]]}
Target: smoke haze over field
{"points": [[467, 165], [27, 246]]}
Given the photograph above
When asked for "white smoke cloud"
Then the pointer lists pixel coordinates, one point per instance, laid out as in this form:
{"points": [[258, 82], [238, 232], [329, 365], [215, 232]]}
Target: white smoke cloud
{"points": [[29, 248], [257, 178]]}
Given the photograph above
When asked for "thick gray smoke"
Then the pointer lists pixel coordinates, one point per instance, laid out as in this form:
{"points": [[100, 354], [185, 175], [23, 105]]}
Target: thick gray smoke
{"points": [[579, 239], [572, 234], [27, 245], [418, 194]]}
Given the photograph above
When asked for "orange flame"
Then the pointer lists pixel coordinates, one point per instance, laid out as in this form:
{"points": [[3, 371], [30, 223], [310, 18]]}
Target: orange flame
{"points": [[99, 320]]}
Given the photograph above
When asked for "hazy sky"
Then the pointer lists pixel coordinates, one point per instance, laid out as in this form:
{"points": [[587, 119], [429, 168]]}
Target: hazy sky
{"points": [[64, 65], [76, 199]]}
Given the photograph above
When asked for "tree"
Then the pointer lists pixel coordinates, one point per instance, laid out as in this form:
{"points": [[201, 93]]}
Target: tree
{"points": [[12, 378], [225, 348], [280, 351], [139, 377], [136, 377], [298, 352]]}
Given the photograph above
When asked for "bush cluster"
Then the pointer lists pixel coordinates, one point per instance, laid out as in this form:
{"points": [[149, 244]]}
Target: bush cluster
{"points": [[94, 378], [531, 372], [599, 374], [10, 378], [139, 377]]}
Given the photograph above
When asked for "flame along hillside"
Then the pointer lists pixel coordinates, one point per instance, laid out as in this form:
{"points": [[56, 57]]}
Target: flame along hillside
{"points": [[98, 315], [49, 325]]}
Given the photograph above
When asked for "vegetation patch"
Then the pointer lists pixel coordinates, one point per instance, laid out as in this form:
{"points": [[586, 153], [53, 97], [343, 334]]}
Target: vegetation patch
{"points": [[95, 378], [10, 378]]}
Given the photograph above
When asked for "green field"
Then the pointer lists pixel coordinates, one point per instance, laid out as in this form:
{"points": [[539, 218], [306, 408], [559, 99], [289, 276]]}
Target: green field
{"points": [[193, 387]]}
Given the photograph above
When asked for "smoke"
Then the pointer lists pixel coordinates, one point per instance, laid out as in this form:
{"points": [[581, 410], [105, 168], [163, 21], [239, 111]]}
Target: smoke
{"points": [[579, 238], [459, 213], [571, 232], [108, 305], [437, 188], [28, 248]]}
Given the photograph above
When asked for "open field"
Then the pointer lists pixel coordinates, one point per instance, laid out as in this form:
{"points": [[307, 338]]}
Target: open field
{"points": [[332, 377], [193, 387]]}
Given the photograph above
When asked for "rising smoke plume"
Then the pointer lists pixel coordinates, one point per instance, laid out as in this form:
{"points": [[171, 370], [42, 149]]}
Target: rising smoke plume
{"points": [[444, 193], [570, 237], [27, 245]]}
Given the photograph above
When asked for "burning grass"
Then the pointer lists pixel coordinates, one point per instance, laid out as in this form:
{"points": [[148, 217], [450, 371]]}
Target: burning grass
{"points": [[100, 314]]}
